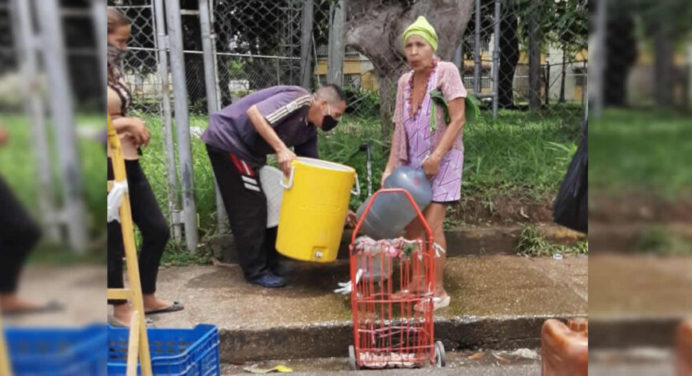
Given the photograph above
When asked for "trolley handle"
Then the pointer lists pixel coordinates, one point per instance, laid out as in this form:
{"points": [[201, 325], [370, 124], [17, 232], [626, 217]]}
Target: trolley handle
{"points": [[420, 215], [356, 190]]}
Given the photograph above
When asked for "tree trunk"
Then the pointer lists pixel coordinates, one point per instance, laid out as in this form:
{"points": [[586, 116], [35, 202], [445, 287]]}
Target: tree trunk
{"points": [[534, 63], [375, 31], [620, 54], [509, 58], [664, 68], [563, 74], [336, 50]]}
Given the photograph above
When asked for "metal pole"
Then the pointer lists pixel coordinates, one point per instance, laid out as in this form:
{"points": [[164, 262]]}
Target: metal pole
{"points": [[60, 98], [25, 44], [215, 57], [597, 59], [547, 79], [182, 122], [477, 51], [212, 93], [457, 56], [689, 75], [168, 144], [207, 41], [496, 58], [98, 17], [305, 39], [336, 50], [221, 214]]}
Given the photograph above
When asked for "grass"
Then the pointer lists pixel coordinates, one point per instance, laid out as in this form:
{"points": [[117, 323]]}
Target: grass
{"points": [[641, 150], [659, 240], [18, 168], [532, 243], [519, 153]]}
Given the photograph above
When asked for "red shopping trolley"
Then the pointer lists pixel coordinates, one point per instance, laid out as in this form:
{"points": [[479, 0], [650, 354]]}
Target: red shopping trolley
{"points": [[392, 285]]}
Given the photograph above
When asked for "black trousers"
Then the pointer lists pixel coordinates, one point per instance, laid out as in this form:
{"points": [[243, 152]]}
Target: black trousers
{"points": [[148, 217], [246, 206], [19, 233]]}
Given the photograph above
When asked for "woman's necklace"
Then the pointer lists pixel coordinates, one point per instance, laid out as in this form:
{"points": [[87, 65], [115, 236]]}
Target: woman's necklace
{"points": [[411, 87]]}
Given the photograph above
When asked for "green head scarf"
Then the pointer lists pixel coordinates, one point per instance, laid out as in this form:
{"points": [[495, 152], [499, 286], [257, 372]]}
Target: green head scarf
{"points": [[423, 29]]}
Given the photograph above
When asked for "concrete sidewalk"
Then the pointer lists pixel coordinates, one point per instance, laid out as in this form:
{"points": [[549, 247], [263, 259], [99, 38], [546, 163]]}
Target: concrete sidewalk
{"points": [[497, 302], [637, 300], [80, 289]]}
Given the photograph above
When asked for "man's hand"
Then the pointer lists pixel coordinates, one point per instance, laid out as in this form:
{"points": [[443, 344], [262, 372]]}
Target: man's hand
{"points": [[431, 165], [285, 156], [4, 136], [135, 127], [351, 219]]}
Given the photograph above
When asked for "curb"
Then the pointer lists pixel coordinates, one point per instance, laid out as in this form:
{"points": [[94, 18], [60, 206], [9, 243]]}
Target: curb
{"points": [[331, 339], [471, 241]]}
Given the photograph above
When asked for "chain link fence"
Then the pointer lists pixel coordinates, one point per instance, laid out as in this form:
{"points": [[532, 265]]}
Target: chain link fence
{"points": [[140, 65]]}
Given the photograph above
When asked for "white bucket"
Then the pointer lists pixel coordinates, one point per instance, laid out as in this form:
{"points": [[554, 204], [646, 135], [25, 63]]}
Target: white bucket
{"points": [[270, 179]]}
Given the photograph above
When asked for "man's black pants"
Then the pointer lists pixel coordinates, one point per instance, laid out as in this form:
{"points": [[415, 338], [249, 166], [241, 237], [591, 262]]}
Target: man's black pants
{"points": [[246, 206]]}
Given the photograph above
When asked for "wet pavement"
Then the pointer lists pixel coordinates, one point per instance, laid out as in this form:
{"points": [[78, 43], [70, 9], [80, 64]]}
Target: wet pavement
{"points": [[637, 300], [640, 285], [491, 286], [497, 302]]}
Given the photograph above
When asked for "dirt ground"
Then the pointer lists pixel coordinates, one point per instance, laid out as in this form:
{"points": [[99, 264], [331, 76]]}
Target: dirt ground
{"points": [[477, 210]]}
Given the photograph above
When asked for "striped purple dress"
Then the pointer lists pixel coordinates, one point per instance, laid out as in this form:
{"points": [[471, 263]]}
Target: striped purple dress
{"points": [[421, 141]]}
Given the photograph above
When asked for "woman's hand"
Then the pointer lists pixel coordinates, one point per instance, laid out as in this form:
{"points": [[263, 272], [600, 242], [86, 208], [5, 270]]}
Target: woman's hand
{"points": [[135, 127], [385, 175], [351, 219], [285, 156], [431, 165]]}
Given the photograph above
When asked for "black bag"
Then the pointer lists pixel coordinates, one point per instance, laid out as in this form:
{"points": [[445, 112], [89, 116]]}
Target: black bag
{"points": [[571, 204]]}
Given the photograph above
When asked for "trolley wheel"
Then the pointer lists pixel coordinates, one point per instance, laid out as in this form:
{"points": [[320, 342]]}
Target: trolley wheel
{"points": [[352, 364], [439, 354]]}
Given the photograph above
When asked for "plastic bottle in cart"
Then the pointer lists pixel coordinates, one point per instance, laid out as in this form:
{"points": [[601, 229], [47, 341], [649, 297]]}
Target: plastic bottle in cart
{"points": [[565, 349], [684, 349], [391, 212]]}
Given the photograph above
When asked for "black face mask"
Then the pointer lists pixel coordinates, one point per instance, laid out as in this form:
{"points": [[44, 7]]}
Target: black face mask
{"points": [[328, 123], [115, 54]]}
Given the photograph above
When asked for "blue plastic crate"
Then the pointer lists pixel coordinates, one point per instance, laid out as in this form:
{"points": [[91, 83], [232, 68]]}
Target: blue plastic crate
{"points": [[188, 352], [57, 351]]}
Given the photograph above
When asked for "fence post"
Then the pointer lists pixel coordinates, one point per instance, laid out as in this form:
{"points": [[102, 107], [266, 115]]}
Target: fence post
{"points": [[60, 98], [212, 93], [458, 56], [305, 39], [477, 52], [98, 17], [534, 61], [182, 122], [547, 79], [597, 59], [689, 75], [167, 130], [496, 58], [336, 44], [34, 109]]}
